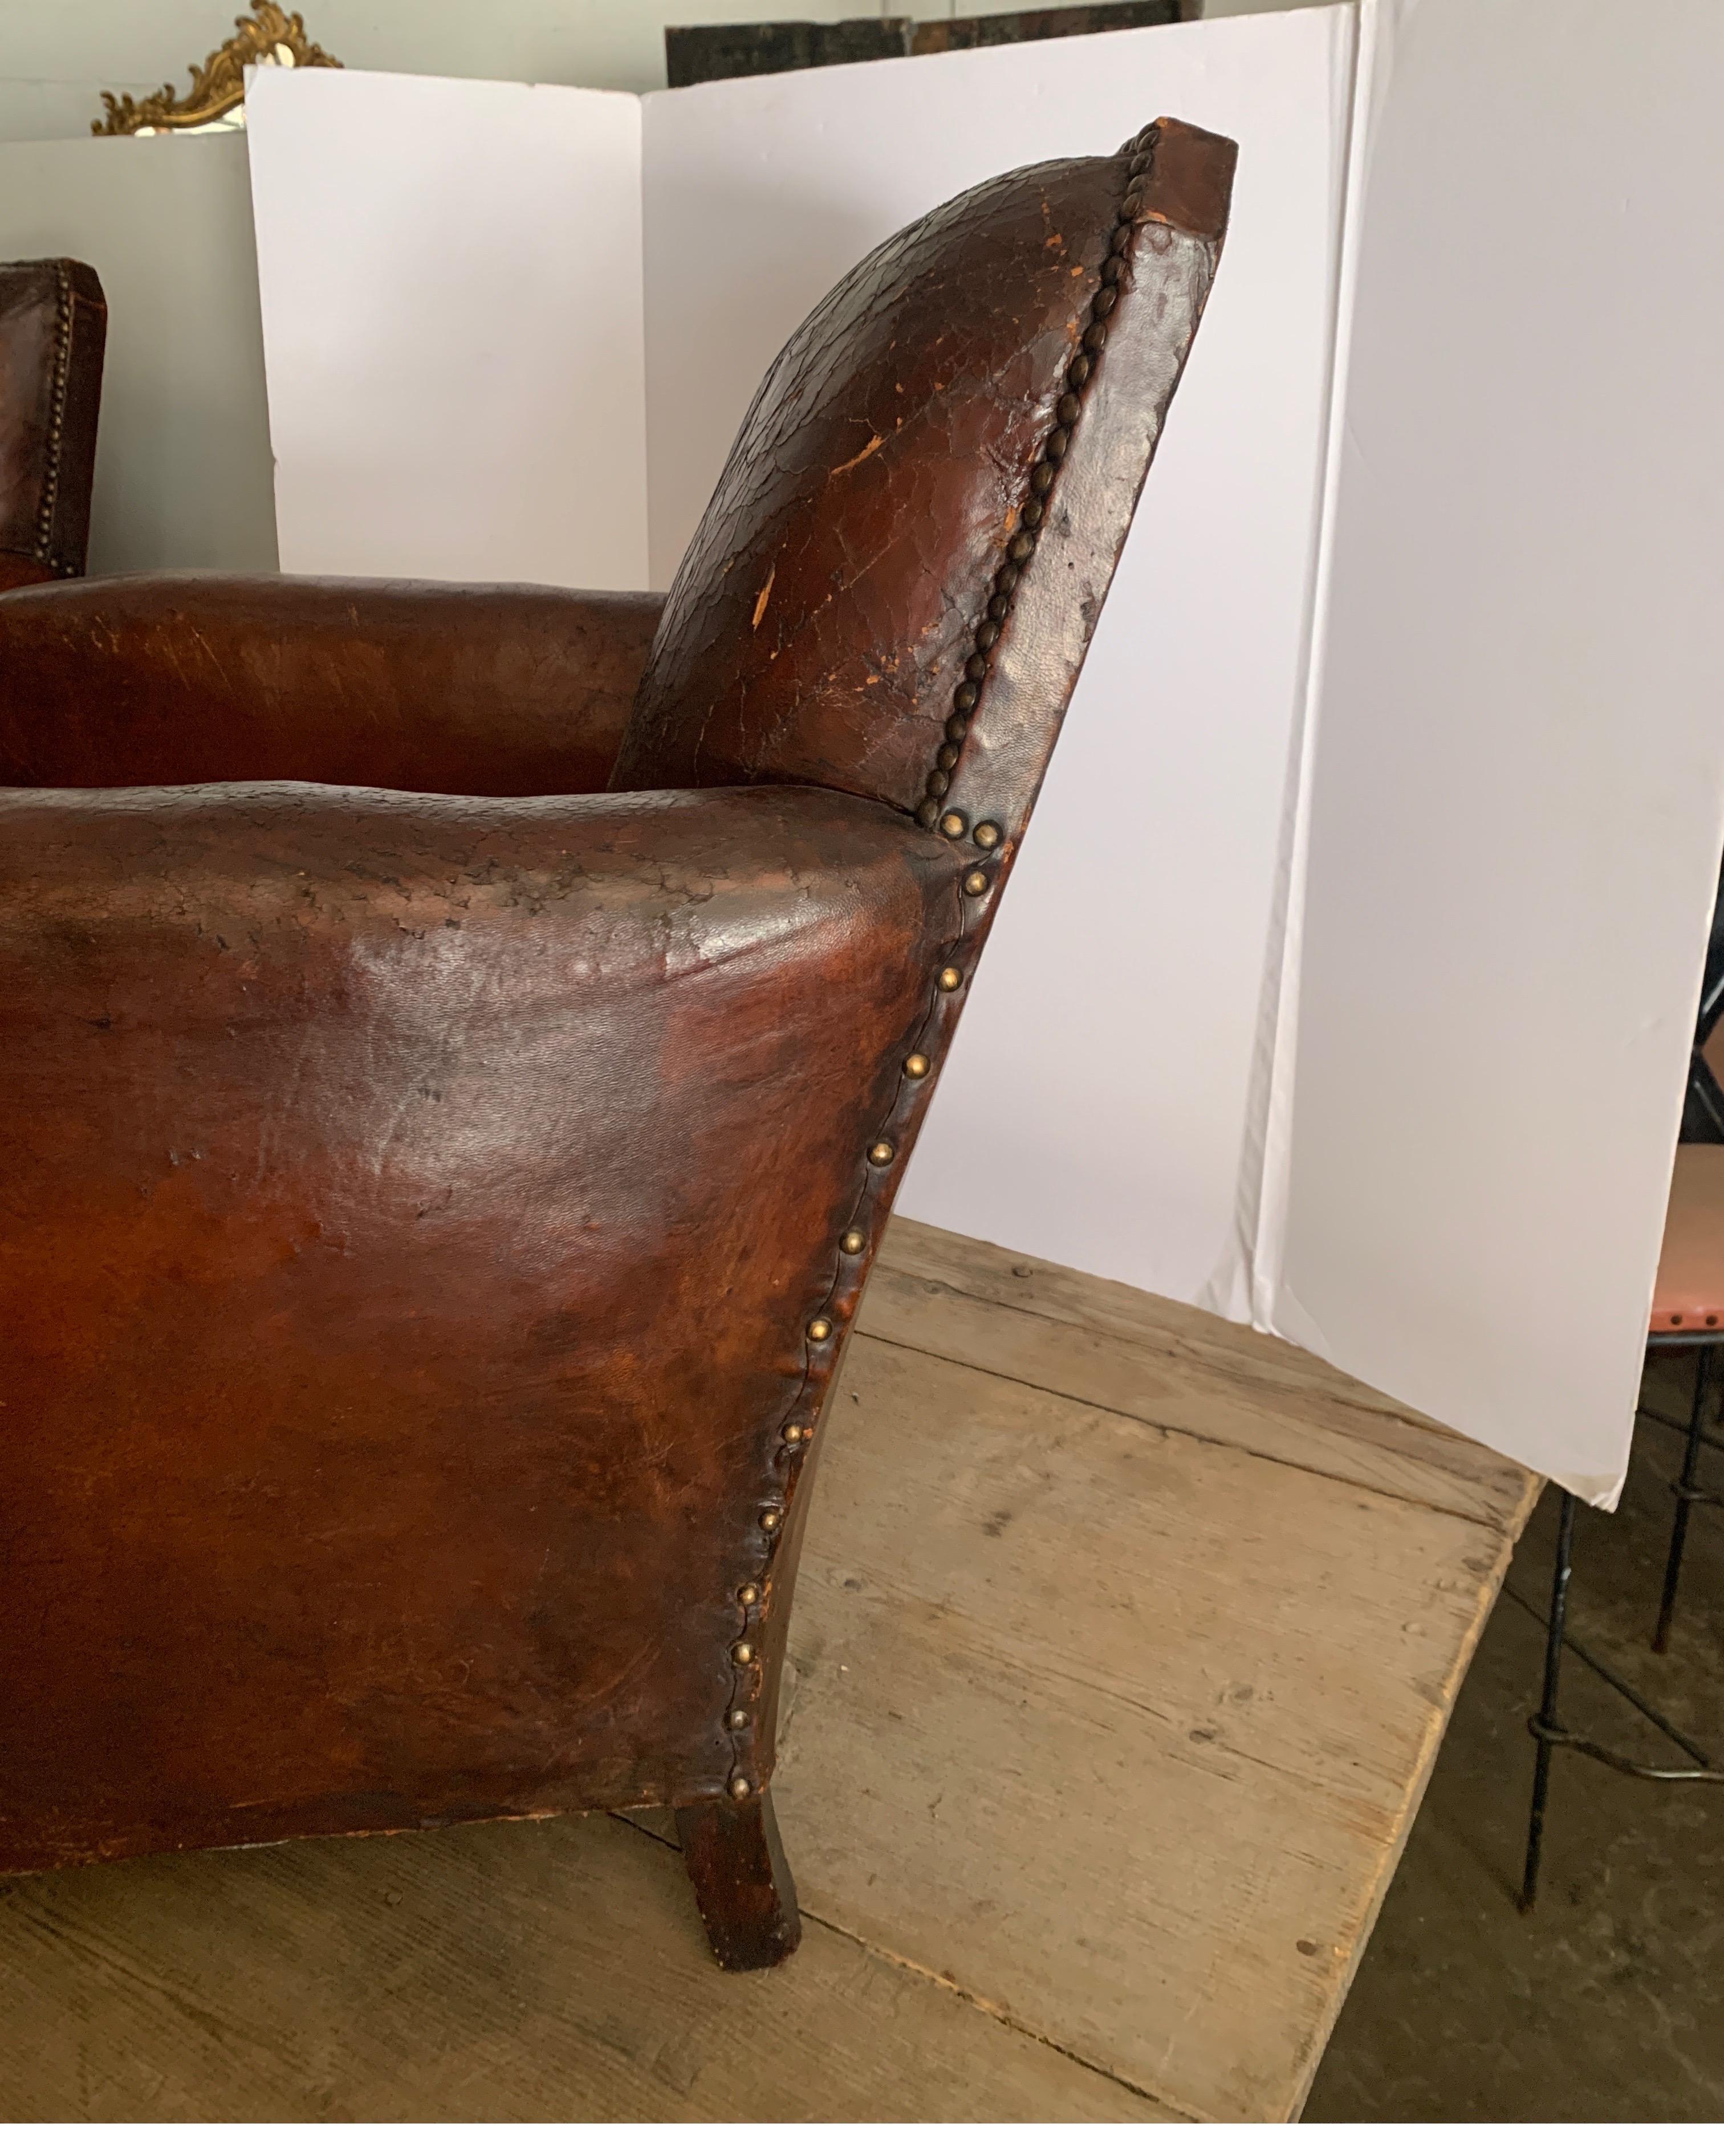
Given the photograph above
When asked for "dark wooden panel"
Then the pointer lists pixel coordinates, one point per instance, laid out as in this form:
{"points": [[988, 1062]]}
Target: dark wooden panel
{"points": [[712, 51], [1028, 24]]}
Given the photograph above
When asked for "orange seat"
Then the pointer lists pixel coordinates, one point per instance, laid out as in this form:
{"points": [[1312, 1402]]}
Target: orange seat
{"points": [[1688, 1295]]}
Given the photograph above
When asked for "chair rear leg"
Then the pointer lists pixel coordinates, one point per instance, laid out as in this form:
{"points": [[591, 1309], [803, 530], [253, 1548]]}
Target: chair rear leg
{"points": [[746, 1897]]}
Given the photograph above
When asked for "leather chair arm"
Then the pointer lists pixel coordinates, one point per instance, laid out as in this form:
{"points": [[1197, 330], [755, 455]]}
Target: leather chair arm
{"points": [[154, 680], [418, 1151]]}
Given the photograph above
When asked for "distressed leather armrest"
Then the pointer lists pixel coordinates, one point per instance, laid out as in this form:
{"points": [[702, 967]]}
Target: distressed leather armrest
{"points": [[489, 691], [470, 1173]]}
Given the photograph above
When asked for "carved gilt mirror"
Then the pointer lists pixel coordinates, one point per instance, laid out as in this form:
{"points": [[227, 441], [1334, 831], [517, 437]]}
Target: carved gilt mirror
{"points": [[215, 103]]}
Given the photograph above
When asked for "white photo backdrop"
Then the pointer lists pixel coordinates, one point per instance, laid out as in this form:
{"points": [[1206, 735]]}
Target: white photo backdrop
{"points": [[1345, 981]]}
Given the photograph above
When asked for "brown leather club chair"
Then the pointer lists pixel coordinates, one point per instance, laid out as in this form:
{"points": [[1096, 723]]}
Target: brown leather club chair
{"points": [[456, 1078], [54, 327]]}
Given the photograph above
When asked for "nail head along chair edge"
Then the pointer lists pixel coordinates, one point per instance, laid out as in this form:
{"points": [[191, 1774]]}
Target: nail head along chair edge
{"points": [[54, 323], [438, 1211]]}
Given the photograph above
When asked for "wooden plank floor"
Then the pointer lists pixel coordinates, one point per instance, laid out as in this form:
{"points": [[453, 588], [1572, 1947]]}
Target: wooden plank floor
{"points": [[1123, 1645]]}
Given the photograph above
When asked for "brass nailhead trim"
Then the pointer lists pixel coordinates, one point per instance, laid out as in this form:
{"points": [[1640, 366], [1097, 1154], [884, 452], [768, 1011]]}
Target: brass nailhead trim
{"points": [[1141, 152], [950, 978], [740, 1787], [851, 1241], [742, 1653], [916, 1067], [820, 1328], [975, 883], [988, 835], [770, 1520], [57, 423], [748, 1595], [882, 1154], [737, 1717]]}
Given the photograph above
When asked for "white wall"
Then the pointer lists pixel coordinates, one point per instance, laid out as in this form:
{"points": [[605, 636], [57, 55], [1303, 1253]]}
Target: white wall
{"points": [[182, 472], [451, 277]]}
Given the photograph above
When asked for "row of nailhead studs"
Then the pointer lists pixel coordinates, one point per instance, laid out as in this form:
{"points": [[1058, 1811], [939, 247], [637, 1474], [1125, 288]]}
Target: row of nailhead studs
{"points": [[1022, 545], [796, 1435], [56, 424], [745, 1658], [987, 834]]}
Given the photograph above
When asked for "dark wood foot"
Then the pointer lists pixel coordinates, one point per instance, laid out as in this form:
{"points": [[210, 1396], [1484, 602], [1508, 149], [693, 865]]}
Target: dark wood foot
{"points": [[746, 1895]]}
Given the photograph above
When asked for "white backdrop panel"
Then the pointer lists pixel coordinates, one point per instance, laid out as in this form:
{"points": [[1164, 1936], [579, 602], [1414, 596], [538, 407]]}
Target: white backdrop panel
{"points": [[1516, 812], [1093, 1107], [452, 322]]}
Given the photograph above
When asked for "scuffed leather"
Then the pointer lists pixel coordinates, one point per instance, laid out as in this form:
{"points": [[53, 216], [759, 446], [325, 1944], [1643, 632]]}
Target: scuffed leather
{"points": [[412, 1211], [54, 323], [487, 689], [821, 619]]}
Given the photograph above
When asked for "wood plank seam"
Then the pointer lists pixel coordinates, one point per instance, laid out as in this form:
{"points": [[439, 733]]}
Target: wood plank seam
{"points": [[1395, 1418], [1153, 1356], [983, 2006], [1361, 1398], [1177, 1429], [989, 2007], [997, 2013]]}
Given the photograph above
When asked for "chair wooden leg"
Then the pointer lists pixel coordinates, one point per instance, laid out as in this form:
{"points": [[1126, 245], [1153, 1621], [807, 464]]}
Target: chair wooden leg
{"points": [[741, 1881]]}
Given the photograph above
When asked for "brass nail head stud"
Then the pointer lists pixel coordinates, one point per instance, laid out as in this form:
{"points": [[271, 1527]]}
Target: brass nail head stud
{"points": [[916, 1067], [987, 834], [953, 824], [769, 1520], [742, 1653], [853, 1240], [794, 1433], [820, 1328], [737, 1717], [740, 1787], [882, 1153], [975, 883], [748, 1596], [950, 977]]}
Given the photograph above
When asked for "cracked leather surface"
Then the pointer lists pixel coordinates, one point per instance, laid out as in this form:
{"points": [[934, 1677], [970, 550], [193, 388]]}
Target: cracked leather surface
{"points": [[820, 621], [411, 1213]]}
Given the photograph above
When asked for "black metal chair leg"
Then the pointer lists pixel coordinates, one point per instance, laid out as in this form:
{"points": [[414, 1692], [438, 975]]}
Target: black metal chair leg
{"points": [[1686, 1486], [1544, 1725], [1684, 1490]]}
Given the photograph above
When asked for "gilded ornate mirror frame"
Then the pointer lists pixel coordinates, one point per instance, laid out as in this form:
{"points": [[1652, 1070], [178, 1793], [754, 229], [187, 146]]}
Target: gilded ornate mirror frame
{"points": [[215, 103]]}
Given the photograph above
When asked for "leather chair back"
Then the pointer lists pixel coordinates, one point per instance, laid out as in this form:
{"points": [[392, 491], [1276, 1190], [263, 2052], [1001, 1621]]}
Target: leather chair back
{"points": [[980, 399], [54, 323]]}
